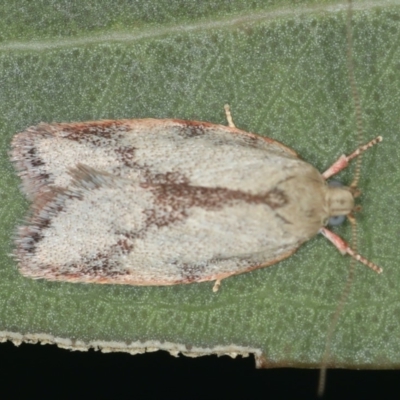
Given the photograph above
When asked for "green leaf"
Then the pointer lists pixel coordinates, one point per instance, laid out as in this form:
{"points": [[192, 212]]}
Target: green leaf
{"points": [[281, 65]]}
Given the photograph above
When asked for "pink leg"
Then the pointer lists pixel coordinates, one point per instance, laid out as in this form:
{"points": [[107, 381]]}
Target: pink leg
{"points": [[344, 248], [343, 160]]}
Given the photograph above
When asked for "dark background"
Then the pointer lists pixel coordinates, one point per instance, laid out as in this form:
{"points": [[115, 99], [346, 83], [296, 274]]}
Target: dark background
{"points": [[36, 371]]}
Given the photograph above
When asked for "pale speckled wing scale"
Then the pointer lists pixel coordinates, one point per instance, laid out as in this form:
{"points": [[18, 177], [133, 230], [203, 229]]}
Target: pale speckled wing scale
{"points": [[159, 202]]}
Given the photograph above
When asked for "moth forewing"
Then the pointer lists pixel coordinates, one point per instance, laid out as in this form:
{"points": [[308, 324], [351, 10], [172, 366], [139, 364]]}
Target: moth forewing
{"points": [[212, 223], [126, 202]]}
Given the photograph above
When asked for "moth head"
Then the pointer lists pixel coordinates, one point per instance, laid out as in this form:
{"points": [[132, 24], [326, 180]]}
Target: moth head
{"points": [[340, 200]]}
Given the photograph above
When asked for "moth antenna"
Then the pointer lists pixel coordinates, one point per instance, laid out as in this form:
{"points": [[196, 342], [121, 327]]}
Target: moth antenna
{"points": [[343, 161], [354, 91], [354, 236]]}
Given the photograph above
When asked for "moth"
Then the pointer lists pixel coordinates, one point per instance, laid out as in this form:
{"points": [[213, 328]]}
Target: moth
{"points": [[166, 201]]}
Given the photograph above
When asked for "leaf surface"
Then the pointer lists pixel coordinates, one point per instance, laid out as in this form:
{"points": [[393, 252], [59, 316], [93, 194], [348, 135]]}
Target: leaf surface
{"points": [[281, 65]]}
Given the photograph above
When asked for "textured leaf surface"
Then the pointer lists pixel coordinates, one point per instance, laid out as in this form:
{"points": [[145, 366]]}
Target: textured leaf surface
{"points": [[282, 68]]}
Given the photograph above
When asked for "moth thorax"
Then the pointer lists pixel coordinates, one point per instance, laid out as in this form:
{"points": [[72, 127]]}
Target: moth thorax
{"points": [[340, 200]]}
